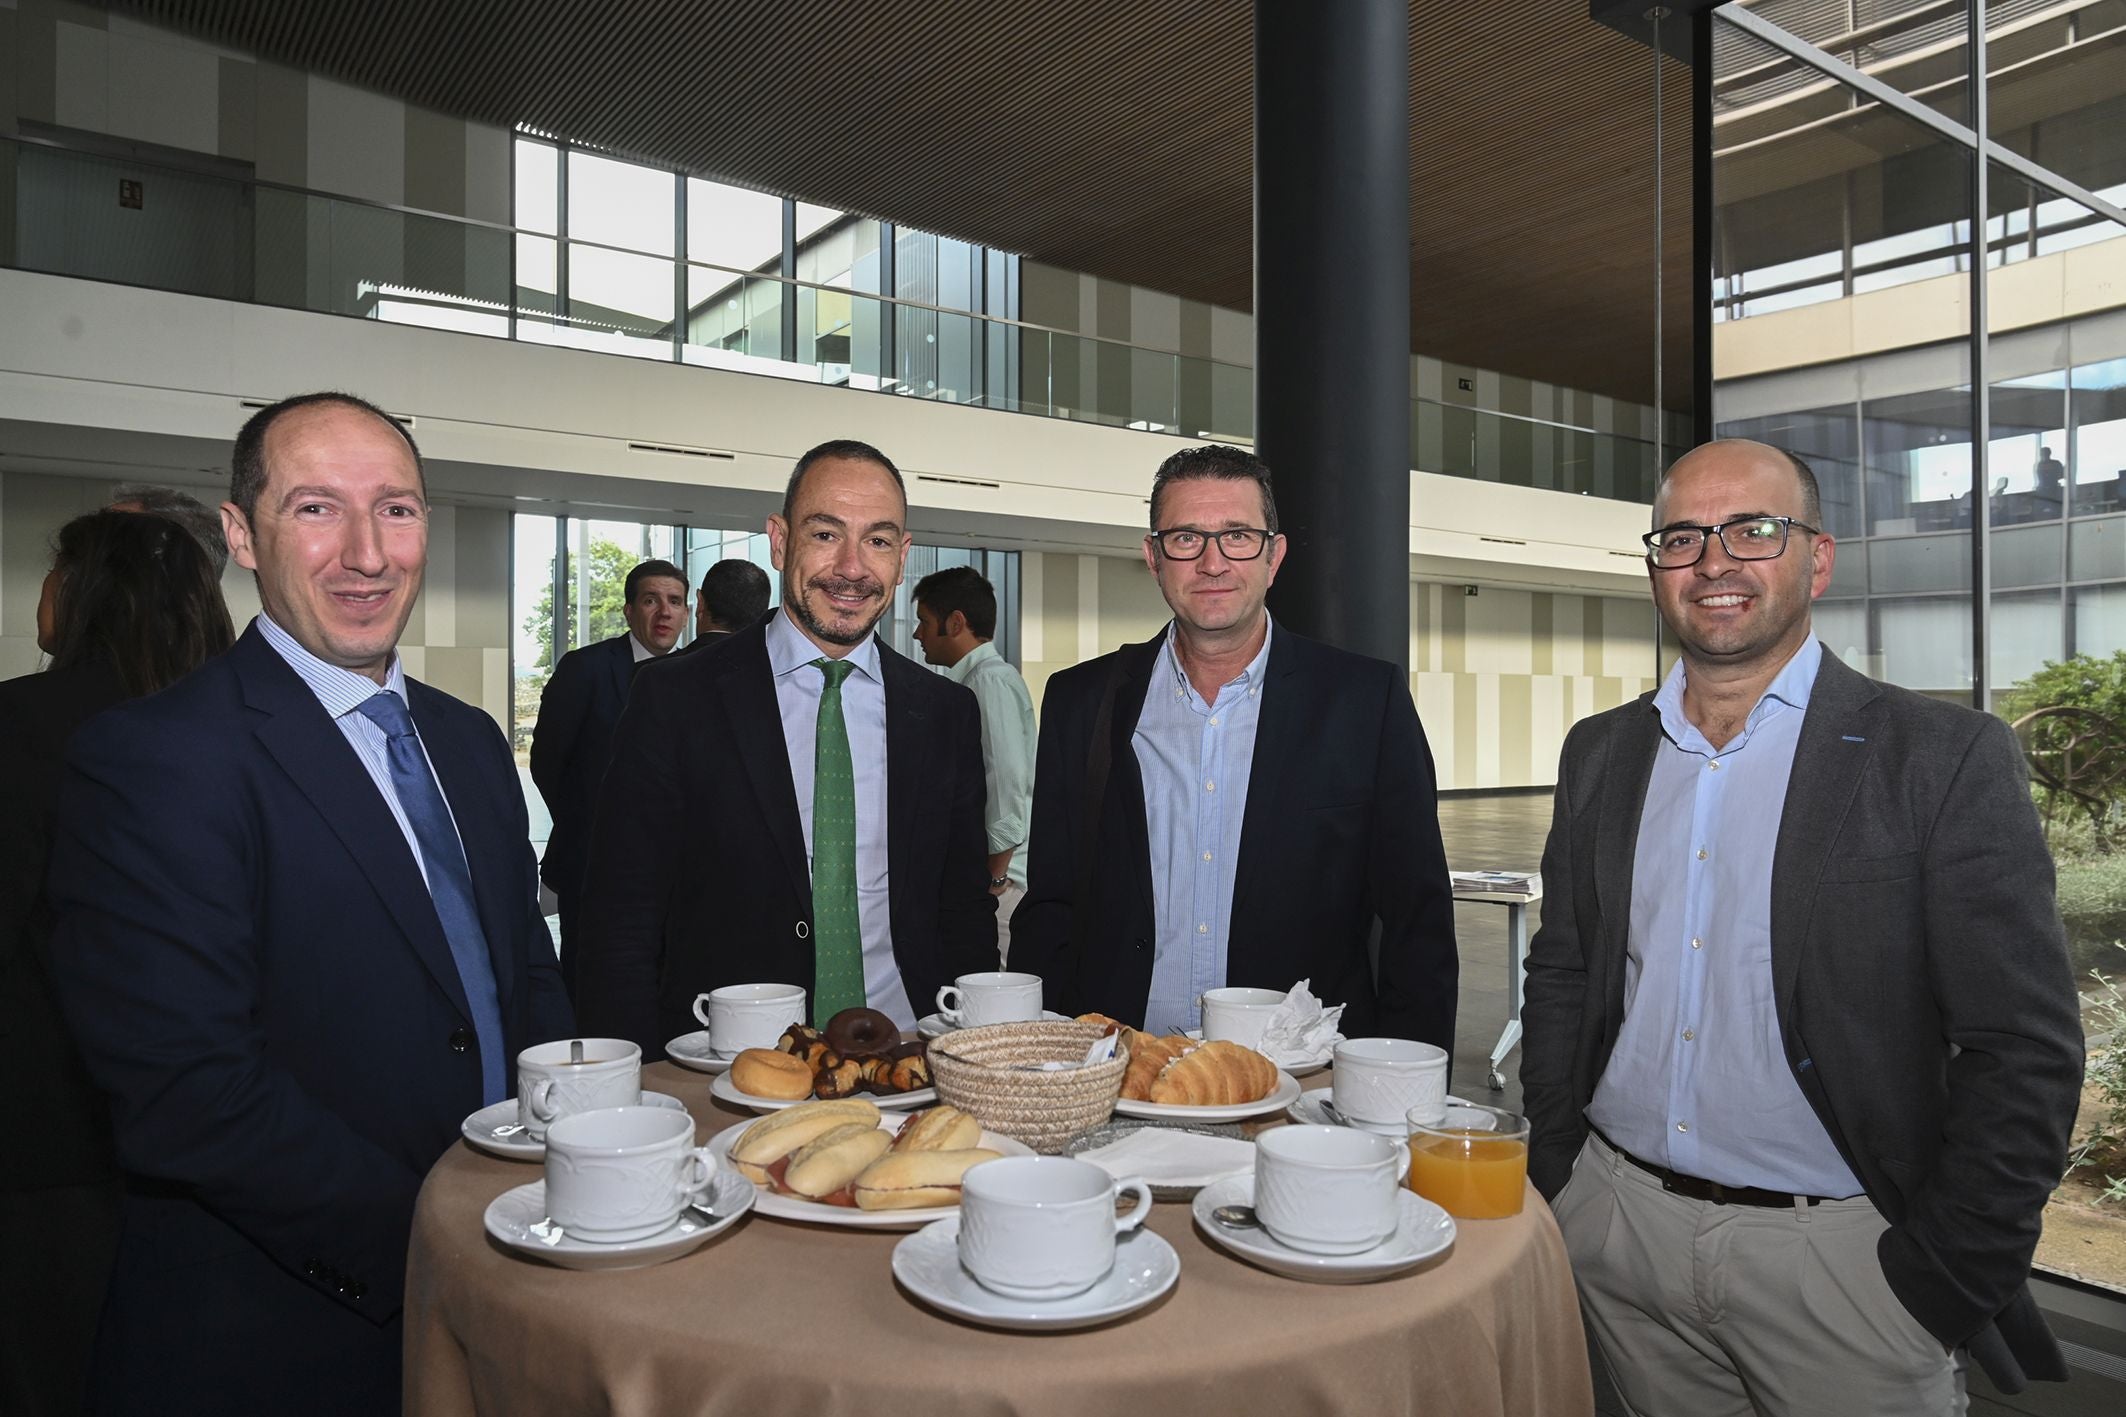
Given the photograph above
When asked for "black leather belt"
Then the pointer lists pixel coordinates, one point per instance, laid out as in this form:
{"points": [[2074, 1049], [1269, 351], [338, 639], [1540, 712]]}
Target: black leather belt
{"points": [[1698, 1189]]}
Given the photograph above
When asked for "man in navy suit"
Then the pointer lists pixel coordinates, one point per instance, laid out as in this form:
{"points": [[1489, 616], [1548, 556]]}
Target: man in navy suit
{"points": [[298, 937], [577, 715]]}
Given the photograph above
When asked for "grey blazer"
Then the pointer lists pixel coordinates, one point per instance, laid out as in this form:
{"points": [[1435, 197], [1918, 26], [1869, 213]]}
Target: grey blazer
{"points": [[1919, 970]]}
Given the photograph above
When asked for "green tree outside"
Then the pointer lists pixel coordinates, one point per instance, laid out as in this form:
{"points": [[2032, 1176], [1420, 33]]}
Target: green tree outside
{"points": [[609, 564]]}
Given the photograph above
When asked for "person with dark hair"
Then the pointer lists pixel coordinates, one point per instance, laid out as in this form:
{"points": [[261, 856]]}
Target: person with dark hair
{"points": [[955, 620], [130, 607], [574, 734], [1801, 1032], [733, 594], [297, 933], [799, 805], [186, 510], [1229, 803]]}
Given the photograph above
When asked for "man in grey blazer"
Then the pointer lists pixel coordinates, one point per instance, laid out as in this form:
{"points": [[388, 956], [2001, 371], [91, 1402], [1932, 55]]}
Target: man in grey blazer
{"points": [[1803, 1047]]}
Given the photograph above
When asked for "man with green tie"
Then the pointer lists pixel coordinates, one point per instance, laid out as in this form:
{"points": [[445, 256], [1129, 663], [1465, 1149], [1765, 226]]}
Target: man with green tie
{"points": [[803, 806]]}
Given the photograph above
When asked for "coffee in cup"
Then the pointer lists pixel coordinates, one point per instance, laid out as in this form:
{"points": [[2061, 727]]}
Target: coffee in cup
{"points": [[1043, 1227], [742, 1016], [575, 1075], [623, 1173], [1328, 1190], [992, 996]]}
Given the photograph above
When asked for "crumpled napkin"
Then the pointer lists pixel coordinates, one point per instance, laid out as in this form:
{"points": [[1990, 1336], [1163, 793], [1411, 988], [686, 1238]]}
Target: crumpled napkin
{"points": [[1302, 1031]]}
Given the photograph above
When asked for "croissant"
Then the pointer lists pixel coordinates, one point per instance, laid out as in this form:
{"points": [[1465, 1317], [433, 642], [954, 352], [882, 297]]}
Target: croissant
{"points": [[1148, 1056], [1216, 1075]]}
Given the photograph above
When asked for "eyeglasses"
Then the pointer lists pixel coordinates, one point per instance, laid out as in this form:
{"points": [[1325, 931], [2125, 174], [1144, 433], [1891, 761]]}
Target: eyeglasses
{"points": [[1745, 539], [1238, 543]]}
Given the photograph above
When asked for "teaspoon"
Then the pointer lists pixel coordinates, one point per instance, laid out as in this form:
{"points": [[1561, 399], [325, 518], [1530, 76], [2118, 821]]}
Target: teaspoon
{"points": [[1236, 1217]]}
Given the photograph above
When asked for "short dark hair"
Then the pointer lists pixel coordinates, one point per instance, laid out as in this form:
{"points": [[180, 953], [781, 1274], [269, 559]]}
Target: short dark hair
{"points": [[648, 570], [838, 448], [135, 592], [1219, 460], [964, 589], [734, 593], [186, 510], [247, 464]]}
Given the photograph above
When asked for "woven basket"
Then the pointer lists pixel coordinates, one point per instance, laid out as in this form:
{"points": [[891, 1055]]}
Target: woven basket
{"points": [[983, 1072]]}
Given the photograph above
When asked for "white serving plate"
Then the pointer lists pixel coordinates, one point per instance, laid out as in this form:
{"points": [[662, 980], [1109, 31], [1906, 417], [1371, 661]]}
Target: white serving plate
{"points": [[1281, 1096], [794, 1208], [726, 1090]]}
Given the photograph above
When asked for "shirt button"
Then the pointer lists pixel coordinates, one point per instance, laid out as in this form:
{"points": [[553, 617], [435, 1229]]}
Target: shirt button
{"points": [[1210, 786], [1713, 766], [1701, 853], [1214, 720], [1203, 929], [1689, 1034], [1697, 943], [1206, 855], [1682, 1126]]}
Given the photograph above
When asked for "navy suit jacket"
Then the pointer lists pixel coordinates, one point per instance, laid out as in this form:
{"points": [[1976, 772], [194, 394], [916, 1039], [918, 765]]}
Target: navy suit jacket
{"points": [[255, 970], [574, 741]]}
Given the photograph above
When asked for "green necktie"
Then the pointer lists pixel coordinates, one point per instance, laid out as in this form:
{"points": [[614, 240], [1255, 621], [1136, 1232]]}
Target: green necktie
{"points": [[837, 937]]}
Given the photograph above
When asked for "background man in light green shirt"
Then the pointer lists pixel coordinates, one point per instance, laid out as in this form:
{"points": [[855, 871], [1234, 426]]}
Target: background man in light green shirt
{"points": [[955, 619]]}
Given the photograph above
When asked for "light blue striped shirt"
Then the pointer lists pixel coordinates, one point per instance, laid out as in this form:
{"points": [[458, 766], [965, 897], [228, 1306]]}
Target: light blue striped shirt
{"points": [[1196, 759], [797, 686], [1698, 1080], [342, 692]]}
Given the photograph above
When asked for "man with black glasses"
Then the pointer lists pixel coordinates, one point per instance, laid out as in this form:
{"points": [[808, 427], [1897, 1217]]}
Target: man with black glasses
{"points": [[1229, 803], [1800, 1029]]}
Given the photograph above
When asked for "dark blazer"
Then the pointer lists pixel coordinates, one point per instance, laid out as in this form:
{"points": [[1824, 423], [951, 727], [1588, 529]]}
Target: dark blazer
{"points": [[574, 740], [698, 875], [255, 970], [1919, 972], [1339, 847], [61, 1133], [705, 640]]}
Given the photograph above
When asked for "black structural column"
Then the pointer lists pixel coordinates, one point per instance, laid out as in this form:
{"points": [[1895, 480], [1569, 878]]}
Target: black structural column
{"points": [[1332, 312]]}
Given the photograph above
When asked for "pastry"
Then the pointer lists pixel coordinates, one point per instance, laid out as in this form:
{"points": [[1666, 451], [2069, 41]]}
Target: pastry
{"points": [[773, 1138], [911, 1180], [1217, 1074], [938, 1129], [839, 1077], [765, 1072], [830, 1161], [1149, 1055], [862, 1033]]}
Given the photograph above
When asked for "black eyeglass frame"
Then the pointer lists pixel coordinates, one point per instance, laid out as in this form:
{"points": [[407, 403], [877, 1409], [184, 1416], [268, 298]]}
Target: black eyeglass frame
{"points": [[1264, 534], [1787, 527]]}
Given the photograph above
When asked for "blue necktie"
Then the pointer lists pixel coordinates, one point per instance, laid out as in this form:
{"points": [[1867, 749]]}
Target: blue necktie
{"points": [[449, 882]]}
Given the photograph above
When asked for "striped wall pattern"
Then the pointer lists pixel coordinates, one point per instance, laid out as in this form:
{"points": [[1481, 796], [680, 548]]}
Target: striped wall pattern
{"points": [[1498, 677]]}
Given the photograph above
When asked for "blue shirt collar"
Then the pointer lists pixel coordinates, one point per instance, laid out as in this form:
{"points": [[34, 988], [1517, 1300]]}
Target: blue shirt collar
{"points": [[341, 691], [1790, 688], [1248, 678], [790, 649]]}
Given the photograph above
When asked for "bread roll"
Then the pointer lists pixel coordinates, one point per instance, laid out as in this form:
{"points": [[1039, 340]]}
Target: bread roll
{"points": [[766, 1072], [939, 1129], [770, 1139], [1217, 1074], [832, 1160], [913, 1180]]}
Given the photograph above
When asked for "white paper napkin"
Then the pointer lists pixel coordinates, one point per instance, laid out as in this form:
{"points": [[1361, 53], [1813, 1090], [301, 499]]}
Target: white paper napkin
{"points": [[1166, 1157], [1301, 1031]]}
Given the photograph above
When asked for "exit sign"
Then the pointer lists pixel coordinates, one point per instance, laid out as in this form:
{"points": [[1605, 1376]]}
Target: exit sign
{"points": [[130, 195]]}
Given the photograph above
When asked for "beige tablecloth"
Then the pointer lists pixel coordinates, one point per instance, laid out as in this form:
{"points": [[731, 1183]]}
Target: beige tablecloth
{"points": [[772, 1318]]}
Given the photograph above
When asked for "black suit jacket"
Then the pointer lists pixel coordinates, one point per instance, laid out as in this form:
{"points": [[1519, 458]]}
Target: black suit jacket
{"points": [[61, 1134], [1919, 972], [698, 875], [1341, 876], [253, 964], [574, 740]]}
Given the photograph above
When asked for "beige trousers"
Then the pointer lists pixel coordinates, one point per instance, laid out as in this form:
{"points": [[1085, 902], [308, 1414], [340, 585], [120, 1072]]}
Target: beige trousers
{"points": [[1743, 1311]]}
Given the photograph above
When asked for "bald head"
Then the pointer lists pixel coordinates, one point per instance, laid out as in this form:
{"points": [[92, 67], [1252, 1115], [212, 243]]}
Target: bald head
{"points": [[1739, 455]]}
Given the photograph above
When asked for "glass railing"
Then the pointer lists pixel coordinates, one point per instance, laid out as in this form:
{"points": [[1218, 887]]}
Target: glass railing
{"points": [[117, 219]]}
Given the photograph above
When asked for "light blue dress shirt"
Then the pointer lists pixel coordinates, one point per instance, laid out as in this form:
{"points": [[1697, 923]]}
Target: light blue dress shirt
{"points": [[1699, 1080], [341, 691], [797, 686], [1008, 741], [1196, 758]]}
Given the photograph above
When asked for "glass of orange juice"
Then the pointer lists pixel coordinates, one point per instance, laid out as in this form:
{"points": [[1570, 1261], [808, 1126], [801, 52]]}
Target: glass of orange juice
{"points": [[1473, 1172]]}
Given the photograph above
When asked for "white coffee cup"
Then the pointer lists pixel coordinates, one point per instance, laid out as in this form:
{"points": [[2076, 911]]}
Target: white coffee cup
{"points": [[1329, 1190], [1043, 1227], [993, 996], [622, 1173], [1381, 1081], [742, 1016], [1239, 1015], [550, 1086]]}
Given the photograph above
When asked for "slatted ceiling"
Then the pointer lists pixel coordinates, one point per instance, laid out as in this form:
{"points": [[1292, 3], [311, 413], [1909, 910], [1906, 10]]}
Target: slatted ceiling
{"points": [[1107, 136]]}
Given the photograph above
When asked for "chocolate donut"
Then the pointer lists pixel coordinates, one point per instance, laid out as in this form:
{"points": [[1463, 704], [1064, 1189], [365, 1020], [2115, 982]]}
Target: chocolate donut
{"points": [[862, 1033]]}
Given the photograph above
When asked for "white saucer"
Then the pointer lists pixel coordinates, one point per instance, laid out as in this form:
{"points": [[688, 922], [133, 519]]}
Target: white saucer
{"points": [[1305, 1068], [479, 1128], [1281, 1096], [927, 1264], [726, 1090], [1311, 1108], [1424, 1231], [784, 1207], [935, 1026], [692, 1050], [513, 1214]]}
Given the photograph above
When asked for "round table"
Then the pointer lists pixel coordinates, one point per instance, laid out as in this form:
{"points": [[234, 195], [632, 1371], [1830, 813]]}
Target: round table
{"points": [[773, 1317]]}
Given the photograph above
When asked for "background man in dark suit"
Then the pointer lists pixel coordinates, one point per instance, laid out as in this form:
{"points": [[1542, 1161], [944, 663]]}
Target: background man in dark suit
{"points": [[1233, 804], [733, 595], [298, 937], [801, 805], [574, 739], [1800, 1005]]}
